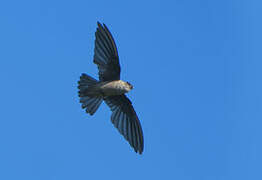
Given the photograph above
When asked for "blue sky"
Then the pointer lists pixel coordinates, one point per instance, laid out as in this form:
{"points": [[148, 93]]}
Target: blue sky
{"points": [[196, 71]]}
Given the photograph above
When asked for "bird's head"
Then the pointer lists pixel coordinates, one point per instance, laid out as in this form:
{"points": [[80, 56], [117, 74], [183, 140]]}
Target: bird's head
{"points": [[128, 86]]}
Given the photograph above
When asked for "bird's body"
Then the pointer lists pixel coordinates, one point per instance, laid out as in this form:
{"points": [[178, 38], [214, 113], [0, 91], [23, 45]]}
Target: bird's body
{"points": [[108, 88], [111, 89]]}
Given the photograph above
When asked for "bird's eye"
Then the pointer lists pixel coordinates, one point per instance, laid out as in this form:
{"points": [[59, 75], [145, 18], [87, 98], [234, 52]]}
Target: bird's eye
{"points": [[130, 85]]}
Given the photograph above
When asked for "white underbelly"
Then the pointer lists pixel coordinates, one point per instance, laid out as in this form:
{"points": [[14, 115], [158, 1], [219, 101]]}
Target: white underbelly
{"points": [[113, 88]]}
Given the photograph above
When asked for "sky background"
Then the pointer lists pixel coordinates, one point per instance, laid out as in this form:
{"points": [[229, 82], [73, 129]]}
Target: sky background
{"points": [[196, 71]]}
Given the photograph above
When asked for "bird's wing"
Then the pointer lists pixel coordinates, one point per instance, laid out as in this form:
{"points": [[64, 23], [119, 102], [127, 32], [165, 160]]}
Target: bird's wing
{"points": [[126, 121], [106, 55]]}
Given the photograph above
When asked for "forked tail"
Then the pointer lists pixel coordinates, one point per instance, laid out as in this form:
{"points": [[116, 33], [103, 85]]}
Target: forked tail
{"points": [[89, 101]]}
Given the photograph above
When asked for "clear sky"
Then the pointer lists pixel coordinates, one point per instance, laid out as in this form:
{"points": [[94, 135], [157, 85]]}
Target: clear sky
{"points": [[196, 71]]}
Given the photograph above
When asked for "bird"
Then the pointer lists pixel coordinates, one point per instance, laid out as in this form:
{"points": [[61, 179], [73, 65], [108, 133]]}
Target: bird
{"points": [[110, 89]]}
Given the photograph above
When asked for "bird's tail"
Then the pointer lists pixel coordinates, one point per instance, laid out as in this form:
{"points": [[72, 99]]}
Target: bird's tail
{"points": [[90, 101]]}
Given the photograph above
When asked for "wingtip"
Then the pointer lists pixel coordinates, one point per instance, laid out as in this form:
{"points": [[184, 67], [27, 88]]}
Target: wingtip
{"points": [[101, 25], [139, 151], [98, 23]]}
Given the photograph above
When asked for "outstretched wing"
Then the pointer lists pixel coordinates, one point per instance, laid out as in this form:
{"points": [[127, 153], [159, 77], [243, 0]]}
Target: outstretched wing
{"points": [[126, 121], [106, 55]]}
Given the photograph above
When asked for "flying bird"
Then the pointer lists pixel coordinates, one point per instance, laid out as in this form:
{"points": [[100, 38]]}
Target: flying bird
{"points": [[110, 89]]}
